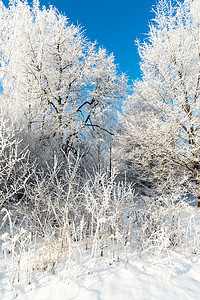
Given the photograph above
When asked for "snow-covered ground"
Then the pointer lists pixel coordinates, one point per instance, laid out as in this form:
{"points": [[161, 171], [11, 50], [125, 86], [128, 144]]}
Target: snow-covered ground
{"points": [[177, 277], [171, 274]]}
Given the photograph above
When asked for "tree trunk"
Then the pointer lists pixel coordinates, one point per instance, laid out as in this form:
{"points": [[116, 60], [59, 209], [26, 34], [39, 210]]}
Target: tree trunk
{"points": [[196, 175], [29, 119], [198, 194], [110, 158], [198, 190]]}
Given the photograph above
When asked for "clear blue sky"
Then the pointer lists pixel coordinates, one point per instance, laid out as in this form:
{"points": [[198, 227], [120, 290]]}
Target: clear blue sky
{"points": [[114, 24]]}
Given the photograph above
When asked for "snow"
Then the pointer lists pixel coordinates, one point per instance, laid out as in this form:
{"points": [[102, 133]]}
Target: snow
{"points": [[174, 274], [140, 278]]}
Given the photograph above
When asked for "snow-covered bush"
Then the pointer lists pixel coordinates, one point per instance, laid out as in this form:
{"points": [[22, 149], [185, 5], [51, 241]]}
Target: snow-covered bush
{"points": [[100, 220], [15, 169], [166, 223], [107, 206], [15, 244]]}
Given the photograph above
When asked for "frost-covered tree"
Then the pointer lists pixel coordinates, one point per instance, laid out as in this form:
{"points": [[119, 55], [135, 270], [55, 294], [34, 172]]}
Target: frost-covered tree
{"points": [[56, 79], [146, 141], [99, 142], [170, 85], [15, 169]]}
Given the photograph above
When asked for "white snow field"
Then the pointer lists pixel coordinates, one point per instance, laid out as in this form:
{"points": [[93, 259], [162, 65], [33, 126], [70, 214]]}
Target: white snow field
{"points": [[177, 276]]}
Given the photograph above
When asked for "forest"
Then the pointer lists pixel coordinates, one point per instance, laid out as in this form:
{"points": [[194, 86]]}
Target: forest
{"points": [[93, 169]]}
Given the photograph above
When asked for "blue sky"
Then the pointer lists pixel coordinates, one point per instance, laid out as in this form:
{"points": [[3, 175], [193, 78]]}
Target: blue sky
{"points": [[114, 24]]}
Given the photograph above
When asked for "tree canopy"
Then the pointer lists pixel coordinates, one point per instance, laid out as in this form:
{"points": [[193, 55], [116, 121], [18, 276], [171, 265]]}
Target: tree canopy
{"points": [[169, 93]]}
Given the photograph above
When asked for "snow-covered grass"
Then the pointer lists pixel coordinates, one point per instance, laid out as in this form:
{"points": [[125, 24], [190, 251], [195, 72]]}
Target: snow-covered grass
{"points": [[146, 278], [152, 254]]}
